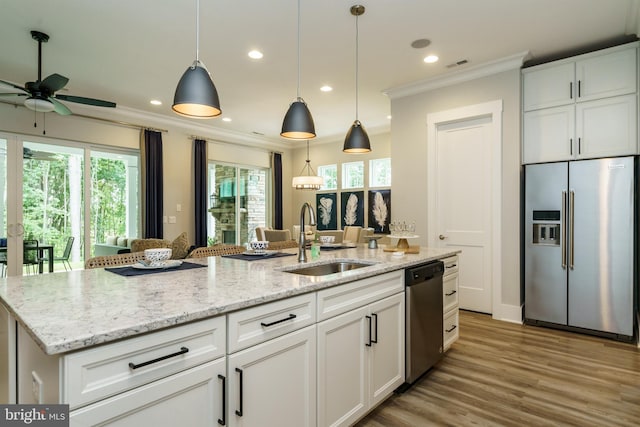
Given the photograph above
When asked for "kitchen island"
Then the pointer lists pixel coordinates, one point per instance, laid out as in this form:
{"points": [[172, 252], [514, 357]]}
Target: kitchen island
{"points": [[66, 321]]}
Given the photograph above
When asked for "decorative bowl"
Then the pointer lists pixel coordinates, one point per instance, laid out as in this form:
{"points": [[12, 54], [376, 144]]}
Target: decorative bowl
{"points": [[259, 246], [327, 239], [157, 254]]}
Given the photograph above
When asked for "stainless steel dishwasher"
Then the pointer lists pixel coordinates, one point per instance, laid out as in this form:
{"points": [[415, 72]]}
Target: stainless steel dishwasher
{"points": [[423, 320]]}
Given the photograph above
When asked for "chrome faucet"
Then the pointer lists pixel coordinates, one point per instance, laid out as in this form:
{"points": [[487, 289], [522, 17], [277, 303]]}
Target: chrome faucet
{"points": [[302, 252]]}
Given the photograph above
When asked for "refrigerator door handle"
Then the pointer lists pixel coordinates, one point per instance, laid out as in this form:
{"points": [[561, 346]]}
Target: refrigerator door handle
{"points": [[563, 225], [572, 195]]}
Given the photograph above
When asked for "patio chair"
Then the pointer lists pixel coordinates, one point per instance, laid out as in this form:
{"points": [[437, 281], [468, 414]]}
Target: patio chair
{"points": [[30, 258], [65, 255]]}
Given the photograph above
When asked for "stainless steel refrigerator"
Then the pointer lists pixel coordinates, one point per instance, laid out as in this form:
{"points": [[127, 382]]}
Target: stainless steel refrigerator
{"points": [[579, 247]]}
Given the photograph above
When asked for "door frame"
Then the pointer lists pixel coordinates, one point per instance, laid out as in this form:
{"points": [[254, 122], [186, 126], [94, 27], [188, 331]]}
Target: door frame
{"points": [[492, 109]]}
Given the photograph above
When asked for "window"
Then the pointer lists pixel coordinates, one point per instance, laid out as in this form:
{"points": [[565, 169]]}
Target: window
{"points": [[237, 203], [353, 175], [329, 174], [380, 172]]}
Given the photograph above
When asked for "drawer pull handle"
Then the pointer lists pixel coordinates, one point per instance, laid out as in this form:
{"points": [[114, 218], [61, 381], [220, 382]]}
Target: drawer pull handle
{"points": [[452, 329], [223, 421], [375, 316], [451, 293], [451, 266], [239, 412], [183, 350], [266, 325]]}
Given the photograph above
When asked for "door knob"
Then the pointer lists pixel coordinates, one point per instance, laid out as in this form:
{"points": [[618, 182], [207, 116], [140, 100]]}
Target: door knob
{"points": [[442, 237]]}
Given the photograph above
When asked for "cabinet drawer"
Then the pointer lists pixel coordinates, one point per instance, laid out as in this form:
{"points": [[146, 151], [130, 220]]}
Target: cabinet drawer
{"points": [[106, 370], [451, 330], [254, 325], [340, 299], [450, 292], [450, 265]]}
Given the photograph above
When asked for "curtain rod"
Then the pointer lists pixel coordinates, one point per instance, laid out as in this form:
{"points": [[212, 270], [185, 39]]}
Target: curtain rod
{"points": [[115, 122], [192, 137]]}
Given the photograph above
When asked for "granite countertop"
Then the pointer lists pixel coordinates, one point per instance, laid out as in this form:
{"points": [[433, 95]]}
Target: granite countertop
{"points": [[70, 311]]}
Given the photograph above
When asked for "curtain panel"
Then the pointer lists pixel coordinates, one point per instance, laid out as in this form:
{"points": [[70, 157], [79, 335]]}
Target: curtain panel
{"points": [[152, 184], [277, 190], [200, 186]]}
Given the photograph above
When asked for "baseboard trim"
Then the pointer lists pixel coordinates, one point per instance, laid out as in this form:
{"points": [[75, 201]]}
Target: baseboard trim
{"points": [[508, 313]]}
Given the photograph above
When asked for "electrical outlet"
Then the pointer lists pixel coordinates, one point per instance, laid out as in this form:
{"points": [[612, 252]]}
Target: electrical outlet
{"points": [[178, 207], [36, 388]]}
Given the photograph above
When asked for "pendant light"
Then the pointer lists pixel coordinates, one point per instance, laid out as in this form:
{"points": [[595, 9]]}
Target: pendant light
{"points": [[298, 123], [310, 181], [357, 140], [196, 95]]}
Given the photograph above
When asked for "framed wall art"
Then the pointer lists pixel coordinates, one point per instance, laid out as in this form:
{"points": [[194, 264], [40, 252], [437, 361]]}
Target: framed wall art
{"points": [[352, 203], [327, 211], [379, 208]]}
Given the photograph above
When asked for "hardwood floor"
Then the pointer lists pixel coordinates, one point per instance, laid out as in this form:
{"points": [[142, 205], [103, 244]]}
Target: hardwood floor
{"points": [[503, 374]]}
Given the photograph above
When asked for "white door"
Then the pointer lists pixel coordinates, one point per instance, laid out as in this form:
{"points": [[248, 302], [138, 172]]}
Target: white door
{"points": [[464, 196]]}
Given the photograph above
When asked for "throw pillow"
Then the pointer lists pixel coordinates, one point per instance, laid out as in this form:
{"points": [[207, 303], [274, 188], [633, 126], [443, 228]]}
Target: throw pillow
{"points": [[180, 246], [111, 240], [122, 241]]}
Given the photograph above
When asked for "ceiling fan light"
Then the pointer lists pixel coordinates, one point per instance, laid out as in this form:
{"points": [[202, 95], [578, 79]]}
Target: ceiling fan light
{"points": [[298, 123], [40, 105], [357, 140], [196, 95]]}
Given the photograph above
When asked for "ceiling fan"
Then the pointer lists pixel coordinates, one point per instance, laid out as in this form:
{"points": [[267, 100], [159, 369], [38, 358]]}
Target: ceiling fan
{"points": [[41, 94]]}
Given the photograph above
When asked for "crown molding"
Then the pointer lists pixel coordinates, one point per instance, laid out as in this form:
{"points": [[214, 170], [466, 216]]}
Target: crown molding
{"points": [[482, 70]]}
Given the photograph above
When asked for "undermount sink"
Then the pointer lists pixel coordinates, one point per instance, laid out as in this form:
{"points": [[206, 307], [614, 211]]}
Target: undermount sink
{"points": [[328, 268]]}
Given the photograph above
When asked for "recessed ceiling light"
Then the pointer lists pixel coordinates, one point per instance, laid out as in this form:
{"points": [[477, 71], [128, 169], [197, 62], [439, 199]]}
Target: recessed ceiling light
{"points": [[155, 102], [226, 119], [326, 88], [389, 117], [431, 59], [255, 54]]}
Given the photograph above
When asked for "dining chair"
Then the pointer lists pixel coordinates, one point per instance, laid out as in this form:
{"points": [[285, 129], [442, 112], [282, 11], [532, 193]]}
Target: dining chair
{"points": [[30, 255]]}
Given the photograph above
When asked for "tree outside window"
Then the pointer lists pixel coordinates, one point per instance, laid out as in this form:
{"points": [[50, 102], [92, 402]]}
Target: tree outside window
{"points": [[380, 172], [353, 175], [329, 174]]}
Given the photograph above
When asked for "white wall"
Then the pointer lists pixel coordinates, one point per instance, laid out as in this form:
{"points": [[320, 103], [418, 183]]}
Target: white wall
{"points": [[177, 150], [409, 161]]}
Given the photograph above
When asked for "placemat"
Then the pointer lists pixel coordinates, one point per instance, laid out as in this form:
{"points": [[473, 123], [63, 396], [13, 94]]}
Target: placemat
{"points": [[130, 271], [255, 257]]}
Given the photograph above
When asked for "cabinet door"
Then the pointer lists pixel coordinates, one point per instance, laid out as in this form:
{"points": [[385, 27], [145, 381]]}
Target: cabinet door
{"points": [[274, 383], [343, 368], [606, 75], [549, 135], [607, 127], [189, 398], [548, 87], [386, 355]]}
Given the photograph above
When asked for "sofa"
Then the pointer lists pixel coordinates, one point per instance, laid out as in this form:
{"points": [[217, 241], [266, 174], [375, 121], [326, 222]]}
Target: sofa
{"points": [[112, 246]]}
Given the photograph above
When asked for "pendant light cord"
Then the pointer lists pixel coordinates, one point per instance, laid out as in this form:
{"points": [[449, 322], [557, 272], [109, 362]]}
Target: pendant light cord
{"points": [[298, 90], [357, 44], [197, 31]]}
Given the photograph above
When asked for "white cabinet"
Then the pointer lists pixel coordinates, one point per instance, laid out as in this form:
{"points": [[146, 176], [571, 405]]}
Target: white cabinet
{"points": [[450, 333], [360, 350], [190, 398], [272, 364], [582, 107]]}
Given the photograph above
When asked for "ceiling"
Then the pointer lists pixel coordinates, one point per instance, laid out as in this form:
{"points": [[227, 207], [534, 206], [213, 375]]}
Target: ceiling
{"points": [[130, 52]]}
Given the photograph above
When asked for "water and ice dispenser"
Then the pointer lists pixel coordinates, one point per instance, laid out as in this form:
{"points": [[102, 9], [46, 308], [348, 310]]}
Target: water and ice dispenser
{"points": [[546, 228]]}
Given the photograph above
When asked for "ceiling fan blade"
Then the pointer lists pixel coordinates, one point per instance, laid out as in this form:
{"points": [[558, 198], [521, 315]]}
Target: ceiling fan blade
{"points": [[53, 83], [59, 107], [87, 101], [7, 88]]}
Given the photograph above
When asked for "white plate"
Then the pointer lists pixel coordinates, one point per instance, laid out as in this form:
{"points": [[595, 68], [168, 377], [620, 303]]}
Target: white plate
{"points": [[263, 253], [338, 245], [172, 263]]}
